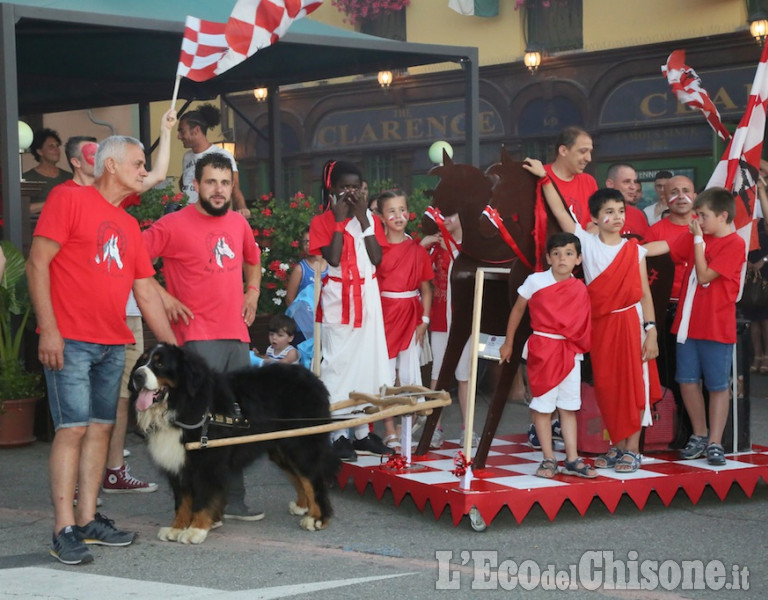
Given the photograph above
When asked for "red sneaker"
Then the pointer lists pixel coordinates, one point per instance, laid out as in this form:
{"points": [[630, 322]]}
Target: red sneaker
{"points": [[120, 481]]}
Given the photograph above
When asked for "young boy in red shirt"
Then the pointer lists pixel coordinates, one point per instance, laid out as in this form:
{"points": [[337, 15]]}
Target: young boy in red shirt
{"points": [[705, 322], [561, 322]]}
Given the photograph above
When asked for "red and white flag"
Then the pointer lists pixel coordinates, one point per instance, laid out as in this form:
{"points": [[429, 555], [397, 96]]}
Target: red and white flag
{"points": [[687, 87], [203, 46], [739, 168], [210, 48]]}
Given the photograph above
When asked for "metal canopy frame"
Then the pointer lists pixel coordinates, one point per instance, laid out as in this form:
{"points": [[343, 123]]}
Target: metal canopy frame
{"points": [[62, 56]]}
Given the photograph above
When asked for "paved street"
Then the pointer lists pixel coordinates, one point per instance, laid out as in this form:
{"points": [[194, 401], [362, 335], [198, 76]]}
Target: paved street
{"points": [[372, 548]]}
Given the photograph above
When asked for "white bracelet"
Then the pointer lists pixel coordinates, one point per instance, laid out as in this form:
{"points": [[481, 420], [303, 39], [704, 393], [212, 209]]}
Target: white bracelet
{"points": [[368, 231], [697, 239], [425, 319]]}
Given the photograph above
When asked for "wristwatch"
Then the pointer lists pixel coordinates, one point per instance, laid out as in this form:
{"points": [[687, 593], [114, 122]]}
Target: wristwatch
{"points": [[648, 325]]}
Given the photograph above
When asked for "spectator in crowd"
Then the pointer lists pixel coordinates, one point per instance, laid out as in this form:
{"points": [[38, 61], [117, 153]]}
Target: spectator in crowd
{"points": [[655, 211], [623, 177], [46, 148], [193, 134]]}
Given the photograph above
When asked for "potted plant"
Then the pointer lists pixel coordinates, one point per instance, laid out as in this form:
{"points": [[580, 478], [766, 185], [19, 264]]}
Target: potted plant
{"points": [[19, 388]]}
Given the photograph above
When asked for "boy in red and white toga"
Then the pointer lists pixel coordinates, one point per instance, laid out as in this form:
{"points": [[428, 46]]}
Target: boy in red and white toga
{"points": [[406, 296], [705, 322], [623, 323], [561, 322]]}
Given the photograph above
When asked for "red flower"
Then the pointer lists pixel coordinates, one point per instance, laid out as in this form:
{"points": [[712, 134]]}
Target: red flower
{"points": [[255, 232], [294, 205], [295, 244], [281, 274], [299, 196], [267, 212], [178, 197], [306, 204], [267, 232], [271, 285], [274, 265], [265, 197], [411, 216]]}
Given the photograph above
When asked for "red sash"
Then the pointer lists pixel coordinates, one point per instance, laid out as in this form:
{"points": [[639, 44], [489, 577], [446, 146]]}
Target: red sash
{"points": [[617, 363], [559, 309]]}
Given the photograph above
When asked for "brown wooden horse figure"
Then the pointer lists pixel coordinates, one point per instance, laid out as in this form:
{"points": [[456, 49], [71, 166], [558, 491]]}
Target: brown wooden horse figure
{"points": [[511, 193]]}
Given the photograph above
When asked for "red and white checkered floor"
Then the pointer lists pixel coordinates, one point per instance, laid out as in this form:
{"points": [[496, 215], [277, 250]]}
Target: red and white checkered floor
{"points": [[509, 480]]}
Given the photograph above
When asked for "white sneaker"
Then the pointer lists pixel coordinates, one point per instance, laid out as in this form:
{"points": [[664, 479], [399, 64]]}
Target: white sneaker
{"points": [[437, 439], [475, 440]]}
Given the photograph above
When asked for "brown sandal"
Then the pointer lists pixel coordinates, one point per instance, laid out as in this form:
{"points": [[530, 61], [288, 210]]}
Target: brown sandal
{"points": [[547, 469]]}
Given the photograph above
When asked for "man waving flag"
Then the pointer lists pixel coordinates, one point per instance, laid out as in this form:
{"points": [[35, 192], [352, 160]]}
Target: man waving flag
{"points": [[210, 48]]}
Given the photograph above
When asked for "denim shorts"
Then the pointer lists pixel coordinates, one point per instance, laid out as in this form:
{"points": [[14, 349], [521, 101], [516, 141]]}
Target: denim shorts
{"points": [[697, 359], [85, 390]]}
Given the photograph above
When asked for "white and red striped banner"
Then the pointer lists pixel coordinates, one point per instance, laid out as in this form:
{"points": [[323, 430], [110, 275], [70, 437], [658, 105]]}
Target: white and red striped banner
{"points": [[687, 87], [739, 168], [210, 48]]}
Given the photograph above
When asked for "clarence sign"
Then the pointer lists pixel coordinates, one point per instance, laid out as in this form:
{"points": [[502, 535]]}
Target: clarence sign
{"points": [[395, 125]]}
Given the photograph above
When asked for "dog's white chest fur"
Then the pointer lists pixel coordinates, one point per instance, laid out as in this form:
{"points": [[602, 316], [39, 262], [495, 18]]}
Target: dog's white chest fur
{"points": [[167, 449], [164, 441]]}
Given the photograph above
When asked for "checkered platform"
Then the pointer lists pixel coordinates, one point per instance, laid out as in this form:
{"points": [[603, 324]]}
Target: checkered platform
{"points": [[509, 480]]}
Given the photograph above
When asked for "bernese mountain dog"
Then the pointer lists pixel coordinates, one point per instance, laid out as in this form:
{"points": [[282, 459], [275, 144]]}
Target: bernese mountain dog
{"points": [[179, 399]]}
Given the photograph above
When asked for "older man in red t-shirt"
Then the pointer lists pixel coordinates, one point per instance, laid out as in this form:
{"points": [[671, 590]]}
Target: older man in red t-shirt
{"points": [[86, 256]]}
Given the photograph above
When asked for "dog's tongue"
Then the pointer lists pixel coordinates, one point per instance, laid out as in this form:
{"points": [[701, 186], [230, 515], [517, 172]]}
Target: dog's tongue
{"points": [[145, 399]]}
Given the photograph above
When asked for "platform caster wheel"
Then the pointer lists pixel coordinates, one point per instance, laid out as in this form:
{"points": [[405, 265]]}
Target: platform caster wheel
{"points": [[476, 520]]}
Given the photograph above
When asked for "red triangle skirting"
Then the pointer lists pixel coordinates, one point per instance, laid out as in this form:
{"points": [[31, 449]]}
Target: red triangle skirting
{"points": [[510, 483]]}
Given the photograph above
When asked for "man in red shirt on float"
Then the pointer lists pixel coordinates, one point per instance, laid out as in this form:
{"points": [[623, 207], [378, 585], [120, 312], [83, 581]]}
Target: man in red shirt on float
{"points": [[623, 177], [574, 153]]}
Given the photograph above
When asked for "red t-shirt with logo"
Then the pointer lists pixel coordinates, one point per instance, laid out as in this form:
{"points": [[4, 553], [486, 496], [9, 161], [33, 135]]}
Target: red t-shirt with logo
{"points": [[203, 260], [576, 193], [100, 257]]}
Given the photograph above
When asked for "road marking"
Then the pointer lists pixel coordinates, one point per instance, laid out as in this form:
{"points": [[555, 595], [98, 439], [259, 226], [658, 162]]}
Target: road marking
{"points": [[33, 583]]}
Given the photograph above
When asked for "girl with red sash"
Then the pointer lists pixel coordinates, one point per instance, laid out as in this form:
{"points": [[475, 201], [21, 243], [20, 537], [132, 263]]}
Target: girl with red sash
{"points": [[354, 348], [406, 296]]}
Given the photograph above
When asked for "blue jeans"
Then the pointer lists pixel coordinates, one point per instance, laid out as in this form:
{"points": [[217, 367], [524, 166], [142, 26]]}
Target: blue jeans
{"points": [[707, 359], [86, 389]]}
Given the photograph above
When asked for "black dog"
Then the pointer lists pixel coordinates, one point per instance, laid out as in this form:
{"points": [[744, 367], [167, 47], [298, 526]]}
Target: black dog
{"points": [[179, 399]]}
